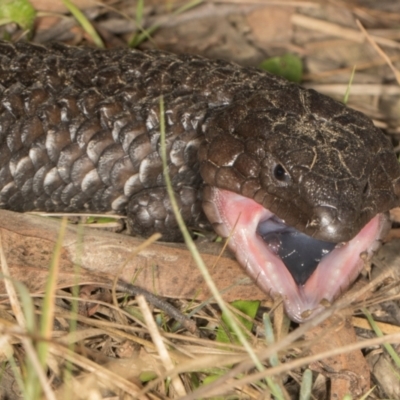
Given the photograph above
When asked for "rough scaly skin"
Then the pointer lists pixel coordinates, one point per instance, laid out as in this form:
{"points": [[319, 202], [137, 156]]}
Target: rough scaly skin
{"points": [[79, 131]]}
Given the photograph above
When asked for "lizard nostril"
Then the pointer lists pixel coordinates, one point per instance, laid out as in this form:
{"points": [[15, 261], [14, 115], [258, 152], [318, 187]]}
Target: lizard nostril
{"points": [[366, 189], [324, 216], [396, 186]]}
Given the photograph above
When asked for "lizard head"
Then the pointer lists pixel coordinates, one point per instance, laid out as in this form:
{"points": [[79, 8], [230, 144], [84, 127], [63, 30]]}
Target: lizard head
{"points": [[302, 185]]}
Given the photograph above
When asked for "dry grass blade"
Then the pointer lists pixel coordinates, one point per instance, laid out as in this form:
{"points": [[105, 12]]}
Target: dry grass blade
{"points": [[358, 89], [36, 369], [387, 329], [275, 389], [103, 375], [337, 30], [192, 247], [221, 387], [374, 43], [158, 341], [11, 292]]}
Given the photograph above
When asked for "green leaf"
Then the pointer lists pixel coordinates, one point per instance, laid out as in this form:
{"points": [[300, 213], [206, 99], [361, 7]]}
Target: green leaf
{"points": [[249, 308], [288, 66], [147, 376], [19, 11]]}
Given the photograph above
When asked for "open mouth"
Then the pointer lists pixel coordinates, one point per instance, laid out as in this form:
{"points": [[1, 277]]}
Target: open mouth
{"points": [[305, 272]]}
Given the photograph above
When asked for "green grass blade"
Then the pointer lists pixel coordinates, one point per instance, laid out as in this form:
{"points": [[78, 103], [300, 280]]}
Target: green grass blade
{"points": [[139, 12], [269, 335], [84, 22], [347, 94], [187, 6], [366, 395], [274, 388], [47, 318], [192, 247], [145, 34], [389, 348], [306, 385]]}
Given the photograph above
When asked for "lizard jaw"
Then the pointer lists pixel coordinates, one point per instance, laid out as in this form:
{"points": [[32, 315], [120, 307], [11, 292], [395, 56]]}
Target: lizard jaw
{"points": [[239, 218]]}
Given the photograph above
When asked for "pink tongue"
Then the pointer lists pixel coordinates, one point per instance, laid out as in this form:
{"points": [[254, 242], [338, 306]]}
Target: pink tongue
{"points": [[238, 216]]}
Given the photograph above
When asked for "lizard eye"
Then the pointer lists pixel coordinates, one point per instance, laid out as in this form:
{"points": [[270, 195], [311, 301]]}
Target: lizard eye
{"points": [[280, 174]]}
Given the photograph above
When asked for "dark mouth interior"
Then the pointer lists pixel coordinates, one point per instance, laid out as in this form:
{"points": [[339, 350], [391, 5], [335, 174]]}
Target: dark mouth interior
{"points": [[300, 253]]}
